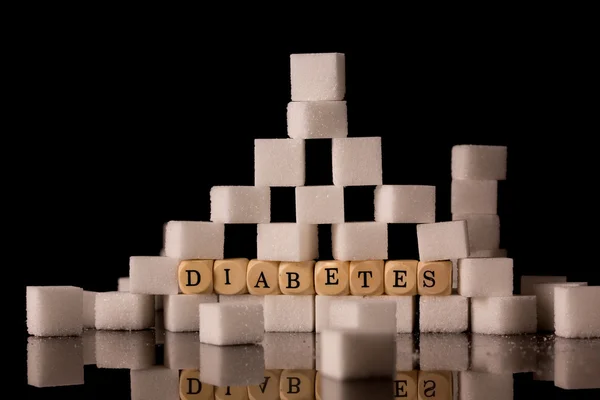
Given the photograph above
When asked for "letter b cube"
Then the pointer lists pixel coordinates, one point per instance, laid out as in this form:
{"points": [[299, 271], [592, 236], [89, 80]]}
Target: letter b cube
{"points": [[297, 277]]}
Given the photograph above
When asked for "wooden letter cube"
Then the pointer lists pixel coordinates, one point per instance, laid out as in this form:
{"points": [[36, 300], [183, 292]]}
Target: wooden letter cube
{"points": [[229, 276], [331, 278], [400, 277], [268, 389], [195, 276], [297, 277], [406, 385], [297, 384], [366, 278], [434, 278], [231, 393], [192, 388], [263, 277], [435, 385]]}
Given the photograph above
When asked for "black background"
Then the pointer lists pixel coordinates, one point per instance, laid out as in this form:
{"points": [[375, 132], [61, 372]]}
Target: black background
{"points": [[127, 126]]}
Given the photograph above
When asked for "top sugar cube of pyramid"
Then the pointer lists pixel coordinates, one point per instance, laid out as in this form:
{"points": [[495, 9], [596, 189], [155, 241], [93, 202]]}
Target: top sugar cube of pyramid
{"points": [[318, 77]]}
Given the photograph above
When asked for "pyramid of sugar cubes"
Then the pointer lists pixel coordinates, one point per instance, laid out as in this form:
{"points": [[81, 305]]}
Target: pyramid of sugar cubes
{"points": [[360, 299]]}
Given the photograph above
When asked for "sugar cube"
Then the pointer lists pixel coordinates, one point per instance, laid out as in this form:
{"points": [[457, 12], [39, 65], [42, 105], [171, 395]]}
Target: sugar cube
{"points": [[124, 311], [289, 313], [188, 240], [405, 204], [322, 311], [320, 204], [154, 383], [318, 76], [279, 162], [443, 241], [54, 361], [483, 230], [240, 204], [485, 277], [503, 354], [444, 352], [181, 311], [232, 365], [242, 298], [577, 364], [480, 385], [406, 356], [287, 242], [576, 312], [544, 294], [285, 350], [153, 275], [357, 161], [317, 119], [357, 241], [123, 284], [125, 350], [182, 350], [54, 310], [507, 315], [234, 323], [527, 282], [366, 315], [475, 162], [443, 314], [474, 197], [89, 346]]}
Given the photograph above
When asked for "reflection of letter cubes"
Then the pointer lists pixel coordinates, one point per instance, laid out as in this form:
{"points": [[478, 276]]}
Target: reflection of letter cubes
{"points": [[435, 385], [332, 278], [231, 393], [229, 276], [434, 278], [279, 162], [297, 277], [190, 240], [191, 388], [54, 310], [318, 76], [196, 276], [366, 277], [268, 389], [400, 277], [405, 384], [297, 384], [262, 277]]}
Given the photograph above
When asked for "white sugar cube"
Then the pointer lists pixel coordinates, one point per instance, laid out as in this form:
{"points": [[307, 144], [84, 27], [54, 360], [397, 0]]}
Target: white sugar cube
{"points": [[577, 364], [182, 350], [54, 310], [322, 311], [235, 323], [577, 312], [89, 309], [155, 383], [242, 298], [56, 361], [483, 230], [289, 350], [444, 352], [405, 204], [124, 311], [474, 197], [240, 204], [125, 350], [365, 315], [284, 241], [475, 162], [480, 385], [498, 354], [123, 284], [181, 311], [317, 119], [318, 76], [188, 240], [527, 282], [357, 161], [485, 277], [279, 162], [406, 356], [503, 315], [232, 365], [320, 204], [360, 241], [289, 313], [357, 354], [443, 314], [153, 275], [544, 293], [443, 241]]}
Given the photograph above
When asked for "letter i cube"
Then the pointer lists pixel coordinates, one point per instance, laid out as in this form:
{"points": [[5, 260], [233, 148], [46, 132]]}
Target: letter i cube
{"points": [[434, 278], [196, 276], [229, 276]]}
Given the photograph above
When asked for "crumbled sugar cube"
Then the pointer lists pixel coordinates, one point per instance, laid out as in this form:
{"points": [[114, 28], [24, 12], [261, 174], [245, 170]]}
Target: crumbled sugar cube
{"points": [[483, 230], [317, 119], [318, 76], [289, 313], [154, 383], [189, 240], [366, 315], [527, 282], [153, 275], [123, 284], [124, 311], [320, 204], [508, 315], [485, 277], [284, 241], [577, 364], [89, 309], [577, 311], [544, 294], [54, 361], [444, 352], [54, 310], [358, 241], [279, 162], [232, 365], [405, 204], [443, 241], [475, 162], [234, 323], [182, 350], [357, 354], [125, 350], [480, 385], [443, 314], [240, 204], [357, 161], [181, 311], [498, 354], [291, 350], [474, 197]]}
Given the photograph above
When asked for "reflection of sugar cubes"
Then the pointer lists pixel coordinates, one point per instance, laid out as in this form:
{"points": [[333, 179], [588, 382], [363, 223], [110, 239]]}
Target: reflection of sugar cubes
{"points": [[54, 361]]}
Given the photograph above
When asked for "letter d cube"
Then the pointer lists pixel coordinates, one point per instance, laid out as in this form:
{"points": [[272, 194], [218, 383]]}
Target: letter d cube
{"points": [[196, 276]]}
